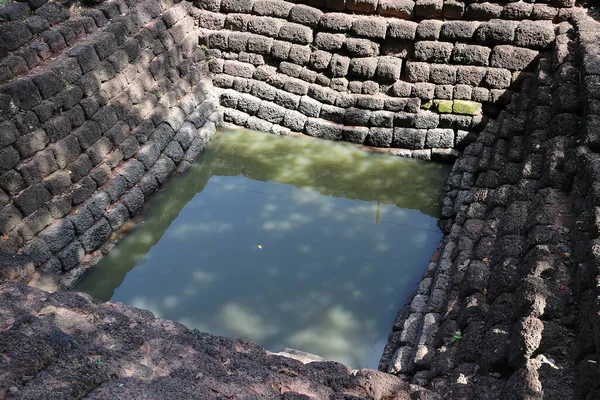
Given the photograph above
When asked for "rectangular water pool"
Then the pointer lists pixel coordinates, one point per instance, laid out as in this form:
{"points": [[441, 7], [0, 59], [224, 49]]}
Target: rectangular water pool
{"points": [[289, 242]]}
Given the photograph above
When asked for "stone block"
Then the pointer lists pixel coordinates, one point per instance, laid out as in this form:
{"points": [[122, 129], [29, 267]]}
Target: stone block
{"points": [[437, 52], [429, 29], [443, 92], [361, 47], [463, 92], [29, 144], [299, 54], [364, 6], [271, 112], [472, 76], [424, 91], [83, 190], [294, 120], [319, 60], [58, 235], [496, 31], [66, 151], [272, 8], [265, 26], [40, 166], [429, 8], [388, 69], [9, 218], [355, 134], [483, 11], [95, 236], [305, 15], [323, 129], [403, 9], [117, 216], [339, 65], [237, 6], [409, 138], [357, 117], [471, 54], [467, 107], [402, 30], [329, 41], [379, 137], [162, 169], [440, 138], [309, 107], [371, 27], [338, 22], [11, 182], [71, 255], [363, 67], [534, 34], [442, 74], [295, 33], [332, 113], [497, 78], [426, 120], [513, 58], [517, 11], [453, 9]]}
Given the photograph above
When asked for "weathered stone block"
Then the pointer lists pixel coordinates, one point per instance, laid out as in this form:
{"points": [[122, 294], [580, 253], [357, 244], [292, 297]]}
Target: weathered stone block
{"points": [[339, 22], [357, 117], [470, 75], [237, 6], [363, 67], [294, 120], [517, 11], [409, 138], [496, 32], [95, 236], [272, 8], [379, 137], [271, 112], [323, 129], [361, 47], [437, 52], [458, 30], [329, 41], [497, 78], [534, 34], [295, 33], [389, 68], [299, 54], [9, 218], [305, 15], [355, 134], [309, 107], [58, 235], [266, 26], [371, 27], [466, 107], [483, 11], [471, 54], [426, 120], [66, 151], [38, 167], [403, 9], [365, 6], [442, 74], [440, 138], [424, 91], [513, 58], [319, 60], [402, 30], [429, 29]]}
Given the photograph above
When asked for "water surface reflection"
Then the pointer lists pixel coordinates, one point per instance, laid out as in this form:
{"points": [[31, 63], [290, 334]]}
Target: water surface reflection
{"points": [[288, 242]]}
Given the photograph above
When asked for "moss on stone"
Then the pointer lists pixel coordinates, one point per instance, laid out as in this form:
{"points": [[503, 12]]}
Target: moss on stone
{"points": [[427, 105], [444, 106], [467, 107]]}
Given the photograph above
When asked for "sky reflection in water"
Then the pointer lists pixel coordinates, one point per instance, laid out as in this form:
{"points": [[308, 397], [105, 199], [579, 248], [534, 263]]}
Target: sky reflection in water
{"points": [[344, 237]]}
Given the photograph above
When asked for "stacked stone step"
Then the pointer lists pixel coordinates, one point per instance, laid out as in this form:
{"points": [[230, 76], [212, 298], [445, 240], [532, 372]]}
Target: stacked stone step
{"points": [[32, 33], [87, 140], [494, 313], [384, 62]]}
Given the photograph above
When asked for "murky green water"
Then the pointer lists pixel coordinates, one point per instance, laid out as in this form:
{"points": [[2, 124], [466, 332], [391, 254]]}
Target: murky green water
{"points": [[289, 242]]}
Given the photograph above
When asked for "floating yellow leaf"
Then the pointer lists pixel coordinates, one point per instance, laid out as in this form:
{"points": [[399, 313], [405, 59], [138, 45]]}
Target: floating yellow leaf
{"points": [[76, 212], [260, 246], [4, 237], [486, 260], [484, 290]]}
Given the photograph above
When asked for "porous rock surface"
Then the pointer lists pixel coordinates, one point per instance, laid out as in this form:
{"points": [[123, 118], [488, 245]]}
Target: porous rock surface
{"points": [[65, 345]]}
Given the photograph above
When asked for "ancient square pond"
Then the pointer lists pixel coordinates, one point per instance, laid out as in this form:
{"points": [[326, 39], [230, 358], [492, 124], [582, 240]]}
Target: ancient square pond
{"points": [[288, 242]]}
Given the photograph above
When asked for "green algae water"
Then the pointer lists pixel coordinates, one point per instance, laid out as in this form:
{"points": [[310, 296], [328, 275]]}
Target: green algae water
{"points": [[288, 242]]}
